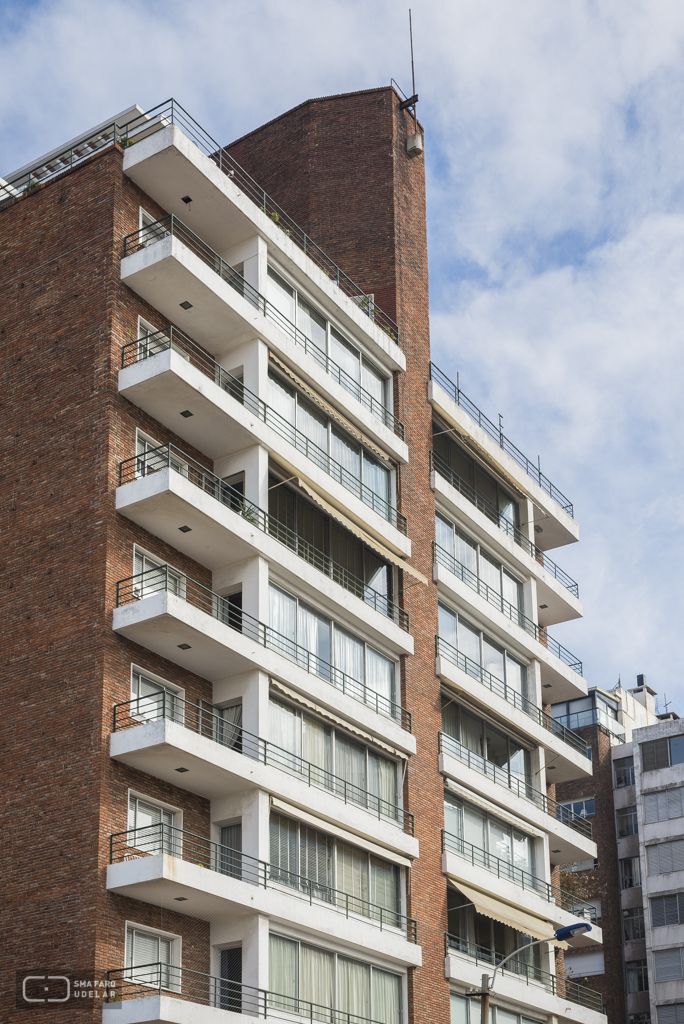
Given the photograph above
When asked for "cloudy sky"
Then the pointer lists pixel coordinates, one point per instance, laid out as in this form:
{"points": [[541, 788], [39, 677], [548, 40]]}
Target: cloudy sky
{"points": [[555, 160]]}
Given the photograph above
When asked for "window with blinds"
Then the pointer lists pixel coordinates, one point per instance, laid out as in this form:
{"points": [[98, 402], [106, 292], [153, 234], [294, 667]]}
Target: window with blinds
{"points": [[149, 957], [668, 964], [673, 1014], [662, 806], [662, 753], [667, 910], [665, 857]]}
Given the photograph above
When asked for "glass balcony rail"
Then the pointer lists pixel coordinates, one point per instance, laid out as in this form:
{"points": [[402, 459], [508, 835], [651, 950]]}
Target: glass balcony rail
{"points": [[171, 337], [504, 869], [502, 777], [594, 716], [163, 578], [438, 464], [445, 650], [455, 393], [207, 721], [156, 979], [553, 983], [171, 112], [168, 456], [153, 840], [493, 597]]}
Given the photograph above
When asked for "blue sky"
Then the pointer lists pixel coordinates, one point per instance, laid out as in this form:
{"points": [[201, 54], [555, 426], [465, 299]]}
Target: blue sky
{"points": [[554, 151]]}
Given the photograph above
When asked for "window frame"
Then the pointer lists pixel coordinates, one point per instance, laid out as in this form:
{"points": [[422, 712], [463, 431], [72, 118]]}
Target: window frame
{"points": [[175, 957], [481, 550], [485, 637]]}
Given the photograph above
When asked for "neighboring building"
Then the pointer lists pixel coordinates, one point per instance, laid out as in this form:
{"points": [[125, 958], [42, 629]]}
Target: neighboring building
{"points": [[277, 677], [606, 720]]}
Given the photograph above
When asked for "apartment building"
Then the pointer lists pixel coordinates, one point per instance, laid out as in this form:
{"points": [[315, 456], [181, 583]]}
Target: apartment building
{"points": [[278, 675]]}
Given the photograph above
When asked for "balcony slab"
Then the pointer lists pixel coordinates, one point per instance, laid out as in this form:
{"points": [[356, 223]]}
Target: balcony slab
{"points": [[160, 1009]]}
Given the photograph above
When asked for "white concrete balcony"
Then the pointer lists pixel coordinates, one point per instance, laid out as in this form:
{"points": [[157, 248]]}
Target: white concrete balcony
{"points": [[507, 460], [570, 836], [521, 988], [555, 589], [194, 747], [171, 868], [565, 748], [165, 490]]}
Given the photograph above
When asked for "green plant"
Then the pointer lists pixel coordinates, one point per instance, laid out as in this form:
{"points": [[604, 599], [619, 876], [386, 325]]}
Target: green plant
{"points": [[31, 187], [250, 514]]}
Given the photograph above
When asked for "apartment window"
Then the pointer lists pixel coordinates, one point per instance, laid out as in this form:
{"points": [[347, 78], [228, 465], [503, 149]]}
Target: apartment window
{"points": [[488, 940], [662, 753], [582, 865], [454, 462], [624, 771], [630, 873], [152, 699], [481, 652], [627, 824], [323, 647], [640, 1018], [230, 992], [472, 564], [673, 1014], [151, 958], [152, 825], [667, 910], [300, 974], [150, 459], [488, 841], [584, 808], [668, 964], [665, 857], [633, 924], [663, 806], [477, 742], [637, 976], [594, 709]]}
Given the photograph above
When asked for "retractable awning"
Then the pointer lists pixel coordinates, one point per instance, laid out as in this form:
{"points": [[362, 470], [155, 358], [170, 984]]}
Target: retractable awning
{"points": [[506, 914]]}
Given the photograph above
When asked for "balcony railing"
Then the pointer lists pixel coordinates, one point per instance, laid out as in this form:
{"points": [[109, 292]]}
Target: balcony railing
{"points": [[153, 840], [207, 721], [171, 112], [438, 465], [498, 601], [504, 869], [158, 979], [497, 435], [168, 456], [163, 578], [593, 716], [509, 694], [502, 777], [528, 973]]}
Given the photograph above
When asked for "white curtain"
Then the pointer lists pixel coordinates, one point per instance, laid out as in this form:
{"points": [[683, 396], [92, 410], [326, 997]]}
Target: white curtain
{"points": [[280, 295], [282, 972], [444, 534], [281, 398], [384, 877], [490, 572], [515, 675], [386, 997], [379, 674], [376, 477], [353, 988], [311, 324], [282, 618], [447, 626], [346, 357], [523, 852], [285, 727], [317, 982], [373, 382], [313, 424], [346, 452], [465, 552], [500, 843], [383, 781], [493, 659], [471, 733], [317, 744], [512, 591], [350, 765], [352, 877], [474, 826], [313, 634], [229, 730], [453, 815], [348, 654], [469, 641]]}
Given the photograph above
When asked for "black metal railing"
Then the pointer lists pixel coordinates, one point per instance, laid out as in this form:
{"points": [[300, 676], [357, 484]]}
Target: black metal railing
{"points": [[438, 465], [593, 716], [445, 650], [165, 579], [207, 721], [168, 456], [498, 601], [532, 470], [508, 871], [523, 971], [157, 979], [171, 112], [155, 840], [520, 787]]}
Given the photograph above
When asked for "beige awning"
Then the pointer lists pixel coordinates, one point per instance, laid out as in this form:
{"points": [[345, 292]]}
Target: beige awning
{"points": [[379, 548], [506, 914]]}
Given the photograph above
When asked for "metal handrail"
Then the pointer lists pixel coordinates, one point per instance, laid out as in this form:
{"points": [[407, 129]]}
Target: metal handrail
{"points": [[163, 839], [456, 395], [164, 578], [592, 716], [498, 601], [155, 979], [554, 983], [502, 777], [446, 650], [438, 465], [204, 720], [171, 112], [168, 456], [505, 869]]}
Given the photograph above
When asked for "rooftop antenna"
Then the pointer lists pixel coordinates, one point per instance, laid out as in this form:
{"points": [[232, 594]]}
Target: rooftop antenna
{"points": [[666, 703], [414, 143], [414, 96]]}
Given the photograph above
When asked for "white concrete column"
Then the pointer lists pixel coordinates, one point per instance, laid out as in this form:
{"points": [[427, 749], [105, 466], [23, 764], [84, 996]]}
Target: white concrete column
{"points": [[253, 462], [530, 600], [527, 519], [260, 953], [534, 685]]}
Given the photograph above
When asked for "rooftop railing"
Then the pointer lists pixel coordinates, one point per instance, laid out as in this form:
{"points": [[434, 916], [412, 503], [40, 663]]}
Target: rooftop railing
{"points": [[593, 716], [516, 699], [438, 464], [165, 579], [520, 787], [168, 456], [207, 721], [525, 972], [532, 470], [508, 871], [155, 840], [498, 601], [171, 112]]}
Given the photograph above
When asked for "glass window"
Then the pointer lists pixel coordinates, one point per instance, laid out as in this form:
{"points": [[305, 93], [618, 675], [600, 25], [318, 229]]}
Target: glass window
{"points": [[345, 355], [585, 808], [460, 1009], [283, 972], [313, 424], [152, 954], [624, 771], [280, 295], [444, 535], [667, 910], [311, 323], [630, 873], [627, 824], [633, 923], [637, 975], [376, 477], [677, 750], [668, 965], [373, 382], [663, 806]]}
